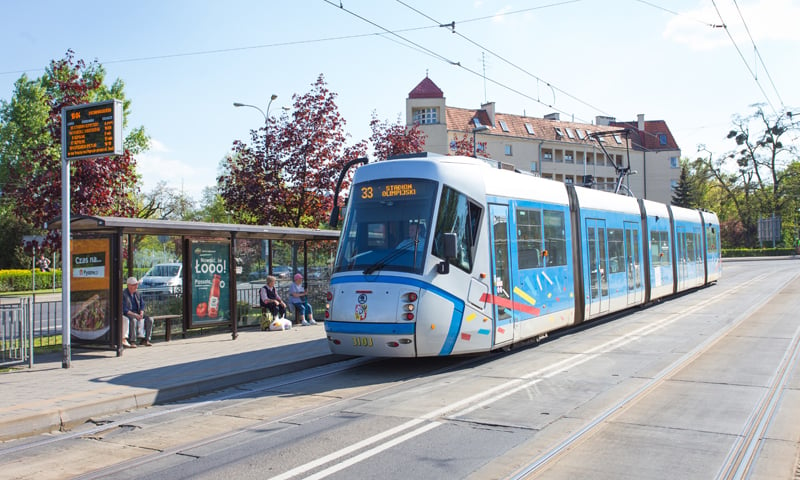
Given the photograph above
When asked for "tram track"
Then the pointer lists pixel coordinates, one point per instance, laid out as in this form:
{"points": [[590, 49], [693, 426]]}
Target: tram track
{"points": [[745, 450]]}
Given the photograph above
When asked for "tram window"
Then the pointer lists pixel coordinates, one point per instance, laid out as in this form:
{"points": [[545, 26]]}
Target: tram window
{"points": [[659, 248], [555, 238], [529, 238], [616, 251], [459, 215]]}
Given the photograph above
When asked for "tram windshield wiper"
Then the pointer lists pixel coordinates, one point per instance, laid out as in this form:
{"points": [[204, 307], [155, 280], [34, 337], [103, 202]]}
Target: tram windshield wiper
{"points": [[400, 249]]}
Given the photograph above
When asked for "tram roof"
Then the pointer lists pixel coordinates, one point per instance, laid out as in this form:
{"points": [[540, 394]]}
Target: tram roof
{"points": [[140, 226]]}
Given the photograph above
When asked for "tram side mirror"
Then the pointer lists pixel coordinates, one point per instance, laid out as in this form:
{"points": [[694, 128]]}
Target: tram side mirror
{"points": [[448, 251]]}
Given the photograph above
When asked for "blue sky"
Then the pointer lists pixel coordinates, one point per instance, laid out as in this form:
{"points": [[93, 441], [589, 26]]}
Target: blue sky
{"points": [[185, 62]]}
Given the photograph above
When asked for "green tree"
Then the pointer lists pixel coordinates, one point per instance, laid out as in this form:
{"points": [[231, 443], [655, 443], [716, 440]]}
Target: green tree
{"points": [[753, 175], [30, 148], [685, 194]]}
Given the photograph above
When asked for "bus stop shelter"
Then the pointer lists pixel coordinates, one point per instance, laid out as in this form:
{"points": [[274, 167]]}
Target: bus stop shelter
{"points": [[209, 252]]}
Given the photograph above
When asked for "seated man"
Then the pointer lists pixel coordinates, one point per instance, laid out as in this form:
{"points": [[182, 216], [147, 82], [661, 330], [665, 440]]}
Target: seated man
{"points": [[139, 324]]}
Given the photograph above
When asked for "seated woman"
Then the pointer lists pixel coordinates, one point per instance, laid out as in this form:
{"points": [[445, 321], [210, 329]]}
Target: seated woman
{"points": [[299, 299], [270, 299]]}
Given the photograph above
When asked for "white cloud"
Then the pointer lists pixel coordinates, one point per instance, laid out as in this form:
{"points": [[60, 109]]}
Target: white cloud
{"points": [[765, 20], [154, 166]]}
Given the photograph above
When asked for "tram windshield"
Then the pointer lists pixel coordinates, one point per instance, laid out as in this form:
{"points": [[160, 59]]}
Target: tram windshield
{"points": [[387, 226]]}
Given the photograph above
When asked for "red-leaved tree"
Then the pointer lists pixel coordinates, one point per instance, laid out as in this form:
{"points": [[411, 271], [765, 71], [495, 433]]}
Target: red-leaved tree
{"points": [[394, 139], [288, 175]]}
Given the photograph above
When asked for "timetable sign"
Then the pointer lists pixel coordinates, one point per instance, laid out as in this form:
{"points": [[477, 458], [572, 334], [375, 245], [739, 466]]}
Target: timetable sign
{"points": [[92, 130]]}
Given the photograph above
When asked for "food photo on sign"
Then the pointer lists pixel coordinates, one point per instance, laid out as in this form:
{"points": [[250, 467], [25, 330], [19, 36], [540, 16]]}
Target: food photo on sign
{"points": [[89, 290], [210, 272]]}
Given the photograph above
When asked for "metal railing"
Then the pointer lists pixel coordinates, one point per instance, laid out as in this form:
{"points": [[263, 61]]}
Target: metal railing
{"points": [[45, 324], [16, 335]]}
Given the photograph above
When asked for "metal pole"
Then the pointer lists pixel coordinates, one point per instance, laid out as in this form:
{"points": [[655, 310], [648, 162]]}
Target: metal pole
{"points": [[66, 360]]}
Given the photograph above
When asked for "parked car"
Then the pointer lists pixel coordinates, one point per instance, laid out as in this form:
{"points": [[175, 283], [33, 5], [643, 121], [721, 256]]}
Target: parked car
{"points": [[163, 278]]}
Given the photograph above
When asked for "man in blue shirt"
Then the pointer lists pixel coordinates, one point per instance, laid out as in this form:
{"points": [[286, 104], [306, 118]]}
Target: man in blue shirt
{"points": [[133, 309]]}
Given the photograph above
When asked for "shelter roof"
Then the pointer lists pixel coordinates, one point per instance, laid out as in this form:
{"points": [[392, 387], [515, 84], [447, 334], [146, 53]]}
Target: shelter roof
{"points": [[87, 224]]}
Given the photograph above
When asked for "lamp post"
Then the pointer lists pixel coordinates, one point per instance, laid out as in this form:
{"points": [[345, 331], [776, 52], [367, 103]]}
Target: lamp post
{"points": [[480, 128], [266, 120]]}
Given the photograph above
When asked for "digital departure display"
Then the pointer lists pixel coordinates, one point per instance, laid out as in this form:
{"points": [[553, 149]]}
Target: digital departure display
{"points": [[92, 130], [391, 190]]}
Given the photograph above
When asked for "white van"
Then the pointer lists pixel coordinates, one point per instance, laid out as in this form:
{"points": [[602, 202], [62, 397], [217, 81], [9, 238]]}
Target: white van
{"points": [[162, 278]]}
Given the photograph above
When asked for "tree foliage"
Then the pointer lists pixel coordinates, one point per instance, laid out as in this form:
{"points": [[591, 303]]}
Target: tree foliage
{"points": [[685, 193], [287, 175], [394, 139], [754, 179], [30, 147], [465, 146]]}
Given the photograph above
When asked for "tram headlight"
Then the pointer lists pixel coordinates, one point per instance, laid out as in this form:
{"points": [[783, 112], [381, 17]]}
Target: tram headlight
{"points": [[408, 307]]}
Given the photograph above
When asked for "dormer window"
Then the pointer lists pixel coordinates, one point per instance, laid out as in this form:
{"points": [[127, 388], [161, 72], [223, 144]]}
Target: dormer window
{"points": [[425, 116], [476, 121], [503, 126], [662, 138], [529, 129], [570, 134], [559, 133]]}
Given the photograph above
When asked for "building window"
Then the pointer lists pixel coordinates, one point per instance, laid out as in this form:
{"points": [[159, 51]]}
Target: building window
{"points": [[508, 150], [674, 163], [568, 157], [529, 128], [476, 121], [533, 166], [570, 134], [580, 133], [673, 184], [618, 139], [559, 134], [425, 116], [547, 156], [662, 138], [503, 126]]}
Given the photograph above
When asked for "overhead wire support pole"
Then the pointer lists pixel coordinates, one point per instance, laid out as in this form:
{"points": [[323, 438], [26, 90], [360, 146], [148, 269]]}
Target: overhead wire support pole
{"points": [[622, 172]]}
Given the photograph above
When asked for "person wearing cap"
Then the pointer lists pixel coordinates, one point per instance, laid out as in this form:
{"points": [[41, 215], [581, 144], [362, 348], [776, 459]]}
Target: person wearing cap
{"points": [[299, 299], [139, 324]]}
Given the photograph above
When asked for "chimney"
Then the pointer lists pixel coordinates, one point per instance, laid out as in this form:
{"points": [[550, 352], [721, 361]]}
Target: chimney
{"points": [[603, 120], [552, 116], [489, 107], [640, 120]]}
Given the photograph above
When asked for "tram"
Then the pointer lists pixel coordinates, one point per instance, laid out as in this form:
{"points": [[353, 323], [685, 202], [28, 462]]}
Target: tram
{"points": [[448, 255]]}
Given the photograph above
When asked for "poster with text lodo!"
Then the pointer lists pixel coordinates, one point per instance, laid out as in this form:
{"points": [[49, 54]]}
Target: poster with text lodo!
{"points": [[210, 282]]}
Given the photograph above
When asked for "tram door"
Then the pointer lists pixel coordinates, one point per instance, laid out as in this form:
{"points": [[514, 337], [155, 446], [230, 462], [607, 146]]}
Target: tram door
{"points": [[633, 263], [596, 241], [501, 278], [680, 257]]}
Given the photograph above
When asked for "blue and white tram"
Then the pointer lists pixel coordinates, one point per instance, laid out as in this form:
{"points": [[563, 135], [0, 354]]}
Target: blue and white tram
{"points": [[449, 255]]}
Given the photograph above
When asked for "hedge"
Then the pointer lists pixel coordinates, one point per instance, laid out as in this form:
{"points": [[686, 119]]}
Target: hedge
{"points": [[22, 280], [757, 252]]}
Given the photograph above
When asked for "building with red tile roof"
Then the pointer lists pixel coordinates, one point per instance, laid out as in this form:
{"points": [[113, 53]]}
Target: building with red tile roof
{"points": [[560, 150]]}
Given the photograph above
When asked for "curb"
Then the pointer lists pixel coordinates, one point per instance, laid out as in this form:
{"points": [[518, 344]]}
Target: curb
{"points": [[62, 419]]}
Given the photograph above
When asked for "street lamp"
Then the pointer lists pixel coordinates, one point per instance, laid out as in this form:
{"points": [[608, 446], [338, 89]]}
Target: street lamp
{"points": [[480, 128], [266, 120]]}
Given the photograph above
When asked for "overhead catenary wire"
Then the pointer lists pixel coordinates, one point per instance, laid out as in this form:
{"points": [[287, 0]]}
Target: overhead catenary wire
{"points": [[758, 54], [452, 26], [741, 55]]}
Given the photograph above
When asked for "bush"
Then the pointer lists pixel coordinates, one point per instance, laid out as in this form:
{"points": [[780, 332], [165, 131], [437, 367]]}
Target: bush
{"points": [[22, 280]]}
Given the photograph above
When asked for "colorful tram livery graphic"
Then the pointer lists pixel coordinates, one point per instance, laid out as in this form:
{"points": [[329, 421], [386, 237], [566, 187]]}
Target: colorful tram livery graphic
{"points": [[452, 255]]}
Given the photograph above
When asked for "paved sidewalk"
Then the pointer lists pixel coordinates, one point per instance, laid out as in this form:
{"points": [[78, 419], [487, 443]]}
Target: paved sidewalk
{"points": [[48, 397]]}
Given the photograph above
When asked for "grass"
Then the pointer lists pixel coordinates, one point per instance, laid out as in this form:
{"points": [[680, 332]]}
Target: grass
{"points": [[24, 293]]}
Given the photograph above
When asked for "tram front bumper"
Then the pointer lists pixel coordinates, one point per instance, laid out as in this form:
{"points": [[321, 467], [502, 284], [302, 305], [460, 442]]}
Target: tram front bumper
{"points": [[371, 339]]}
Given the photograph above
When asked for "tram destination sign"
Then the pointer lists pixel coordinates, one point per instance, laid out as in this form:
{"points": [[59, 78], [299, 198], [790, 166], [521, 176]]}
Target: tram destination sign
{"points": [[92, 130]]}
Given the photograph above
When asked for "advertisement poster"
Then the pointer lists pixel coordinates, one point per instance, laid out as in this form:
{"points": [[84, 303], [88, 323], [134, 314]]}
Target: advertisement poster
{"points": [[90, 290], [210, 283]]}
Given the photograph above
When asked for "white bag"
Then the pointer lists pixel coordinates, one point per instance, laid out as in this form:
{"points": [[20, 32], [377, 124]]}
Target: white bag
{"points": [[280, 324]]}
